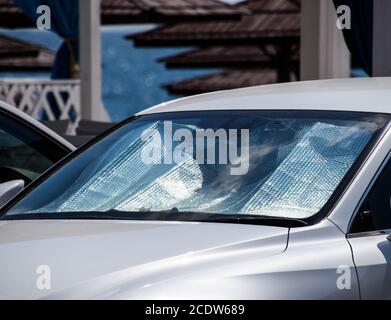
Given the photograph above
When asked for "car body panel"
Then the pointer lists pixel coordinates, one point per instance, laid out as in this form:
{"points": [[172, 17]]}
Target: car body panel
{"points": [[372, 256], [145, 260], [310, 262], [77, 251], [359, 95]]}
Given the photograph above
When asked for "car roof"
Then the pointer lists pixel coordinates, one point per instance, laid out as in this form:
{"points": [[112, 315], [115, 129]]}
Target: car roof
{"points": [[358, 94], [39, 126]]}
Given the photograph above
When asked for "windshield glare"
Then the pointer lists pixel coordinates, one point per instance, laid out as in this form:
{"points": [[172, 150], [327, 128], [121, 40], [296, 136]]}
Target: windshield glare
{"points": [[247, 163]]}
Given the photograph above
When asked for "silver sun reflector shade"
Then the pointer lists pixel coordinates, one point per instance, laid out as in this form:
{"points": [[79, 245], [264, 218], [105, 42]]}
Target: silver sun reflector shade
{"points": [[116, 175], [105, 178], [306, 178], [169, 190]]}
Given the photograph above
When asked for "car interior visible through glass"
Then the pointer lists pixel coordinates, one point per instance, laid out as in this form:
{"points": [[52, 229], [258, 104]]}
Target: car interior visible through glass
{"points": [[24, 152], [375, 212]]}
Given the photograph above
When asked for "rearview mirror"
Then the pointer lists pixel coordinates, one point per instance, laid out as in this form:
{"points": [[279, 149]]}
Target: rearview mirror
{"points": [[9, 189]]}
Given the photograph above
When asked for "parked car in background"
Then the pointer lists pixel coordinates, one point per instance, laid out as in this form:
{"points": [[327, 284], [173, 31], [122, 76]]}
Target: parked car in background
{"points": [[27, 149], [295, 205]]}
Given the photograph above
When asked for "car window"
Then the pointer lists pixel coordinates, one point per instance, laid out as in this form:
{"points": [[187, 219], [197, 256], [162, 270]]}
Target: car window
{"points": [[25, 153], [275, 164], [375, 212]]}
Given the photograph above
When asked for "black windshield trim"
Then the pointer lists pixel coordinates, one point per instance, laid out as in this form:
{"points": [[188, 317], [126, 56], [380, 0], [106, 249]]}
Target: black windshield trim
{"points": [[163, 216]]}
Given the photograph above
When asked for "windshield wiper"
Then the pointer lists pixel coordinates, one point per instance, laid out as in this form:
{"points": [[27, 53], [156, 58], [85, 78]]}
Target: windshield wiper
{"points": [[174, 214], [165, 215], [261, 220]]}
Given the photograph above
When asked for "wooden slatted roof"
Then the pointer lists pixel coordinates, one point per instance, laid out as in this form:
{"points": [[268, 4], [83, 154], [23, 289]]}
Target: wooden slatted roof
{"points": [[137, 11], [12, 16], [250, 30], [225, 56], [270, 20], [164, 11], [10, 47], [225, 80], [272, 6], [21, 55]]}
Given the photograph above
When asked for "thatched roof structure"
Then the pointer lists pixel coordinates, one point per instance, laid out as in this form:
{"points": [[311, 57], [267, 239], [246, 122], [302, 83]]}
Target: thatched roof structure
{"points": [[18, 55], [248, 31], [272, 6], [270, 20], [12, 16], [164, 11], [226, 57], [271, 32], [225, 80], [137, 11]]}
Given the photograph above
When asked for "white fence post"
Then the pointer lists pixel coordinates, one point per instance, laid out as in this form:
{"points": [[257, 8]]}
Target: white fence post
{"points": [[90, 62], [323, 53]]}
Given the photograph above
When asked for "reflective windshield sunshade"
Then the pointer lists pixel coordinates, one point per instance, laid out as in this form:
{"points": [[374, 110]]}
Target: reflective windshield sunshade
{"points": [[307, 177], [245, 164]]}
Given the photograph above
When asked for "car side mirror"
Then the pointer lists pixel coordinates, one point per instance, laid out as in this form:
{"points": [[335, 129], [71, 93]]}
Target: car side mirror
{"points": [[9, 189], [389, 237]]}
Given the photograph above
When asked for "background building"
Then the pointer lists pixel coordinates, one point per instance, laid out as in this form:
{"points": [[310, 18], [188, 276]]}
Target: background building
{"points": [[154, 50]]}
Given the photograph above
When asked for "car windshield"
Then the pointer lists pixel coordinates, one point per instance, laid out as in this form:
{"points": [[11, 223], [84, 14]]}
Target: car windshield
{"points": [[281, 164]]}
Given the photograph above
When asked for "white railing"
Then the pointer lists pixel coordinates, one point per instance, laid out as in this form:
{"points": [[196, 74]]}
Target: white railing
{"points": [[44, 99]]}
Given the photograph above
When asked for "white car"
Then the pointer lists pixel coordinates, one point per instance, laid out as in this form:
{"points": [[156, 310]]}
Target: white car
{"points": [[27, 149], [275, 192]]}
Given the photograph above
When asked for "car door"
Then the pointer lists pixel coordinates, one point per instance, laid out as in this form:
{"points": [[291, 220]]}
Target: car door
{"points": [[25, 151], [368, 239]]}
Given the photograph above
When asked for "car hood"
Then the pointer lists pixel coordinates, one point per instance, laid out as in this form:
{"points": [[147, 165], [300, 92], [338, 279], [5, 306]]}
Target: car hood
{"points": [[123, 259]]}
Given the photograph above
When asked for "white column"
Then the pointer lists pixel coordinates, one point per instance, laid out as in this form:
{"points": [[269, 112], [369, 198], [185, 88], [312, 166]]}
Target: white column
{"points": [[381, 60], [90, 62], [323, 53]]}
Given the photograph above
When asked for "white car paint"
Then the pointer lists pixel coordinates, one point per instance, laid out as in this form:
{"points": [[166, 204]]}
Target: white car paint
{"points": [[85, 250], [183, 260], [364, 94]]}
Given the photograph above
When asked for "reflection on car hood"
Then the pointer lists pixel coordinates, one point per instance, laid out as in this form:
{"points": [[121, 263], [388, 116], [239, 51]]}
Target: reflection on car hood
{"points": [[109, 259]]}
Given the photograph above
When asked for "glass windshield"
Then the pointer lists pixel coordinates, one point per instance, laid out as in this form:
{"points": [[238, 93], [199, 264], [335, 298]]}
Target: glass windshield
{"points": [[247, 163]]}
